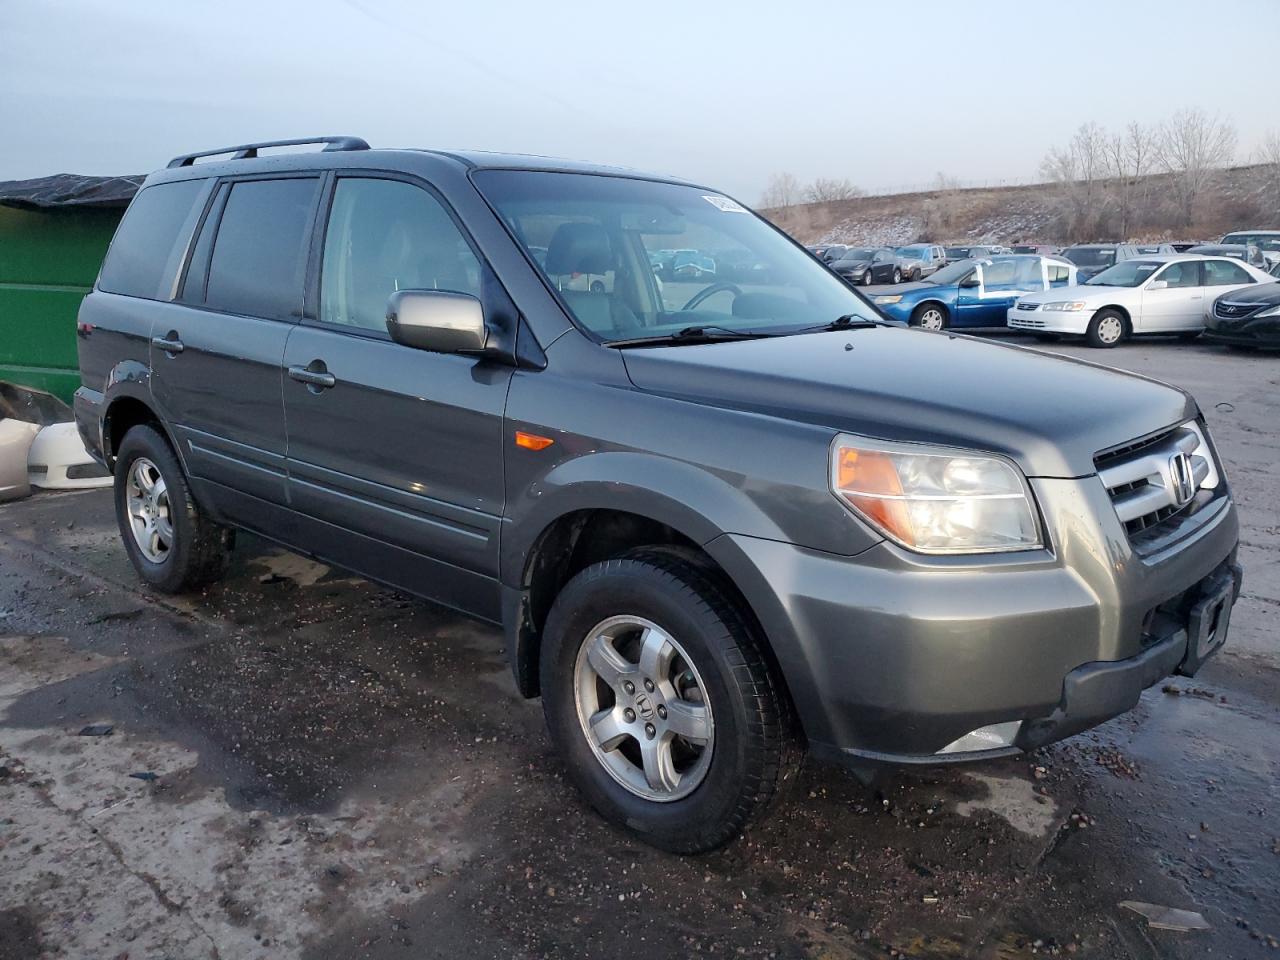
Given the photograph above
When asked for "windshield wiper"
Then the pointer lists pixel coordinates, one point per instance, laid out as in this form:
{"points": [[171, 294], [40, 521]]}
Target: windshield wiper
{"points": [[849, 321], [703, 333]]}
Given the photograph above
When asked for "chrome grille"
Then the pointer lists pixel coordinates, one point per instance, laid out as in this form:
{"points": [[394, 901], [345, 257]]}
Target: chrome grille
{"points": [[1033, 323], [1023, 305], [1153, 480], [1225, 310]]}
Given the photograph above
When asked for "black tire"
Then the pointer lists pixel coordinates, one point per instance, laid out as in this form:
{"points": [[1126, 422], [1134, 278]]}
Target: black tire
{"points": [[1101, 329], [754, 752], [897, 275], [867, 279], [922, 316], [1189, 336], [200, 549]]}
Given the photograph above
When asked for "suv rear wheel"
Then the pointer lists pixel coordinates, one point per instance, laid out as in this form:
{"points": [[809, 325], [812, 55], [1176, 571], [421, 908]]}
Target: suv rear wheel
{"points": [[172, 545], [658, 698]]}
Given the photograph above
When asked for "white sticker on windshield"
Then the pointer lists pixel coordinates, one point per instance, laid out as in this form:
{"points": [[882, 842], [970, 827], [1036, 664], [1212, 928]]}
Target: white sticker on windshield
{"points": [[724, 204]]}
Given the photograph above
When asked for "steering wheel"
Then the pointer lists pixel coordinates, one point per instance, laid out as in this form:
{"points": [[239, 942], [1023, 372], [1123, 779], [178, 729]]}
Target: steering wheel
{"points": [[696, 300]]}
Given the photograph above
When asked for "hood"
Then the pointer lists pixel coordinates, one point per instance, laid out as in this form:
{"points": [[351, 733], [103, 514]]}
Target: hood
{"points": [[850, 264], [906, 290], [1049, 414], [1261, 293]]}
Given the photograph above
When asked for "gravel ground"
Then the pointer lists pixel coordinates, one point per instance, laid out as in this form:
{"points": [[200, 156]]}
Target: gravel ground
{"points": [[301, 764]]}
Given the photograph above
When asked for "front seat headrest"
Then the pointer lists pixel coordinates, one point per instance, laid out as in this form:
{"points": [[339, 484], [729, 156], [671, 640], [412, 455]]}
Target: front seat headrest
{"points": [[579, 248]]}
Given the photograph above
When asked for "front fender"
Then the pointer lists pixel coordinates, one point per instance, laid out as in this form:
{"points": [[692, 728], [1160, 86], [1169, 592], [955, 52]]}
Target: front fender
{"points": [[693, 501]]}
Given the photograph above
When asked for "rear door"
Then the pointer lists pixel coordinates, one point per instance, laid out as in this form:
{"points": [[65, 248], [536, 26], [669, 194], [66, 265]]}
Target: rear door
{"points": [[395, 454], [216, 357]]}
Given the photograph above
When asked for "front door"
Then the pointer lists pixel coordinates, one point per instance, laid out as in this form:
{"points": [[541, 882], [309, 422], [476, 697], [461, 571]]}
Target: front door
{"points": [[1178, 304], [216, 353], [395, 454], [1000, 283]]}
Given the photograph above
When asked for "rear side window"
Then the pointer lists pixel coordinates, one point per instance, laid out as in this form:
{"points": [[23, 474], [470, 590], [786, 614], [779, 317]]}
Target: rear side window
{"points": [[1220, 273], [152, 239], [259, 261]]}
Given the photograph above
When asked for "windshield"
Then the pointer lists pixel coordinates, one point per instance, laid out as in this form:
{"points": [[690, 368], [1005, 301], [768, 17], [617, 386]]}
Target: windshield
{"points": [[957, 253], [1126, 273], [1091, 256], [599, 232], [952, 273], [1025, 248], [911, 253], [858, 253], [1268, 242]]}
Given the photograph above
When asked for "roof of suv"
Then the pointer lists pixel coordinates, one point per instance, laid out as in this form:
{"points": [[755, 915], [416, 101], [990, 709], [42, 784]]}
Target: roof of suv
{"points": [[347, 151]]}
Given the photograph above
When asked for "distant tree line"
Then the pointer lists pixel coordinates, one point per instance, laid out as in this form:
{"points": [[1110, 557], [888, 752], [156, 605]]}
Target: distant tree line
{"points": [[1107, 184], [785, 190]]}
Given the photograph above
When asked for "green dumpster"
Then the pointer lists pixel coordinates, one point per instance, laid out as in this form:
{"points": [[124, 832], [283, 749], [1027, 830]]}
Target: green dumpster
{"points": [[54, 233]]}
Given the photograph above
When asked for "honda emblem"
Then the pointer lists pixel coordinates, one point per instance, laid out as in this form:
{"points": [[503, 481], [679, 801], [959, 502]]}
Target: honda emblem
{"points": [[1183, 484]]}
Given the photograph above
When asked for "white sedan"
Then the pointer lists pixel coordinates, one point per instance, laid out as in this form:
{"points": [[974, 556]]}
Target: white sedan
{"points": [[1169, 294]]}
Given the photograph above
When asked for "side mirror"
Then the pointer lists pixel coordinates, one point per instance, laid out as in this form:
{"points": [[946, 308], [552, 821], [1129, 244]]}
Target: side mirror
{"points": [[1158, 285], [437, 320]]}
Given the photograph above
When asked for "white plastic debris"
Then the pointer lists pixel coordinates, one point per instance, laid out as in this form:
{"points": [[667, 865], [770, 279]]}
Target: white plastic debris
{"points": [[16, 437], [58, 461], [1167, 918]]}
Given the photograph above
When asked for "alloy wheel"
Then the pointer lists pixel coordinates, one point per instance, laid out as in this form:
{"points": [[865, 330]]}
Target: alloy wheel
{"points": [[150, 518], [643, 709]]}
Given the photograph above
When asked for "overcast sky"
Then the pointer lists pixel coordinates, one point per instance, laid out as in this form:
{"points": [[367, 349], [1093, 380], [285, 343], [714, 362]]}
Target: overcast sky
{"points": [[884, 93]]}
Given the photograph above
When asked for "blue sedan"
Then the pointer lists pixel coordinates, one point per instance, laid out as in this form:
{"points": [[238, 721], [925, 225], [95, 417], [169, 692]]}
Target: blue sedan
{"points": [[974, 293]]}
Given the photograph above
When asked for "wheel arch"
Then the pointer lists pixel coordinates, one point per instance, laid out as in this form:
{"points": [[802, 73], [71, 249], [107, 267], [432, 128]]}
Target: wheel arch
{"points": [[932, 302], [123, 412], [595, 529]]}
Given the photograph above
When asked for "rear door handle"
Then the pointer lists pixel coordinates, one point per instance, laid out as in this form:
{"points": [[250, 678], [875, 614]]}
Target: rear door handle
{"points": [[313, 378], [169, 343]]}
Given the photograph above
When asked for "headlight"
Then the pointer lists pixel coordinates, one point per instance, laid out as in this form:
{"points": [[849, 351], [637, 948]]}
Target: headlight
{"points": [[935, 500], [1070, 306], [885, 301]]}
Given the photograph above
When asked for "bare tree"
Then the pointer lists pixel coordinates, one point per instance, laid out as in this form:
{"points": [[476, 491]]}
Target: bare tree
{"points": [[942, 209], [1080, 171], [782, 193], [1130, 158], [1268, 157], [823, 190], [1192, 146]]}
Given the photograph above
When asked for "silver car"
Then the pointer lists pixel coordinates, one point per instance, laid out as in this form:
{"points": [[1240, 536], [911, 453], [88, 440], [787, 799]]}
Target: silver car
{"points": [[919, 260]]}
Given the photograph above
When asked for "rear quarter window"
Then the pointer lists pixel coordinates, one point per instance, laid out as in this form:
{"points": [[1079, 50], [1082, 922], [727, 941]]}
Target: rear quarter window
{"points": [[149, 245]]}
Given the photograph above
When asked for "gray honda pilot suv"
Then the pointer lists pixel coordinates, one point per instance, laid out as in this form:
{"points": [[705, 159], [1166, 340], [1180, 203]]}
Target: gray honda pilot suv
{"points": [[719, 521]]}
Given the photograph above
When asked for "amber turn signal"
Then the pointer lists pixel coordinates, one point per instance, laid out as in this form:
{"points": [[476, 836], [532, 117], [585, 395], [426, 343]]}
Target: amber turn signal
{"points": [[531, 441]]}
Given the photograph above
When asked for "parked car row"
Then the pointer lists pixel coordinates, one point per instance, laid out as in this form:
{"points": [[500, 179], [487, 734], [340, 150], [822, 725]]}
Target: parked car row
{"points": [[1188, 294]]}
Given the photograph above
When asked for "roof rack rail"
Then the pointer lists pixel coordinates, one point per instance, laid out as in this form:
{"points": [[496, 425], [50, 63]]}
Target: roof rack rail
{"points": [[247, 150]]}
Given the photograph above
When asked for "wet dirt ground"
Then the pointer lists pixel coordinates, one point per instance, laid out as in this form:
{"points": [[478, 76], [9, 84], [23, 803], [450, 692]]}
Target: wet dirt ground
{"points": [[304, 765]]}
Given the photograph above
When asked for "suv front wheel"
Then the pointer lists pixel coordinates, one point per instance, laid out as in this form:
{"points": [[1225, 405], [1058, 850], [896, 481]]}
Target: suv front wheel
{"points": [[657, 696], [172, 544]]}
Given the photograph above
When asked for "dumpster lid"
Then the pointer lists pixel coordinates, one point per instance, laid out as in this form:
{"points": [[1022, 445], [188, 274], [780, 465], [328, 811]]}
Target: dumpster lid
{"points": [[69, 190]]}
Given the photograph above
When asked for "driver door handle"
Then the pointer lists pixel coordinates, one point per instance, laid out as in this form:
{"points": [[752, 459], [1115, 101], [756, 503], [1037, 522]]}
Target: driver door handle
{"points": [[169, 344], [313, 378]]}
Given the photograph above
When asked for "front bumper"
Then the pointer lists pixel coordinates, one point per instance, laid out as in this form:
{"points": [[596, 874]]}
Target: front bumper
{"points": [[1251, 332], [889, 656], [1048, 321]]}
